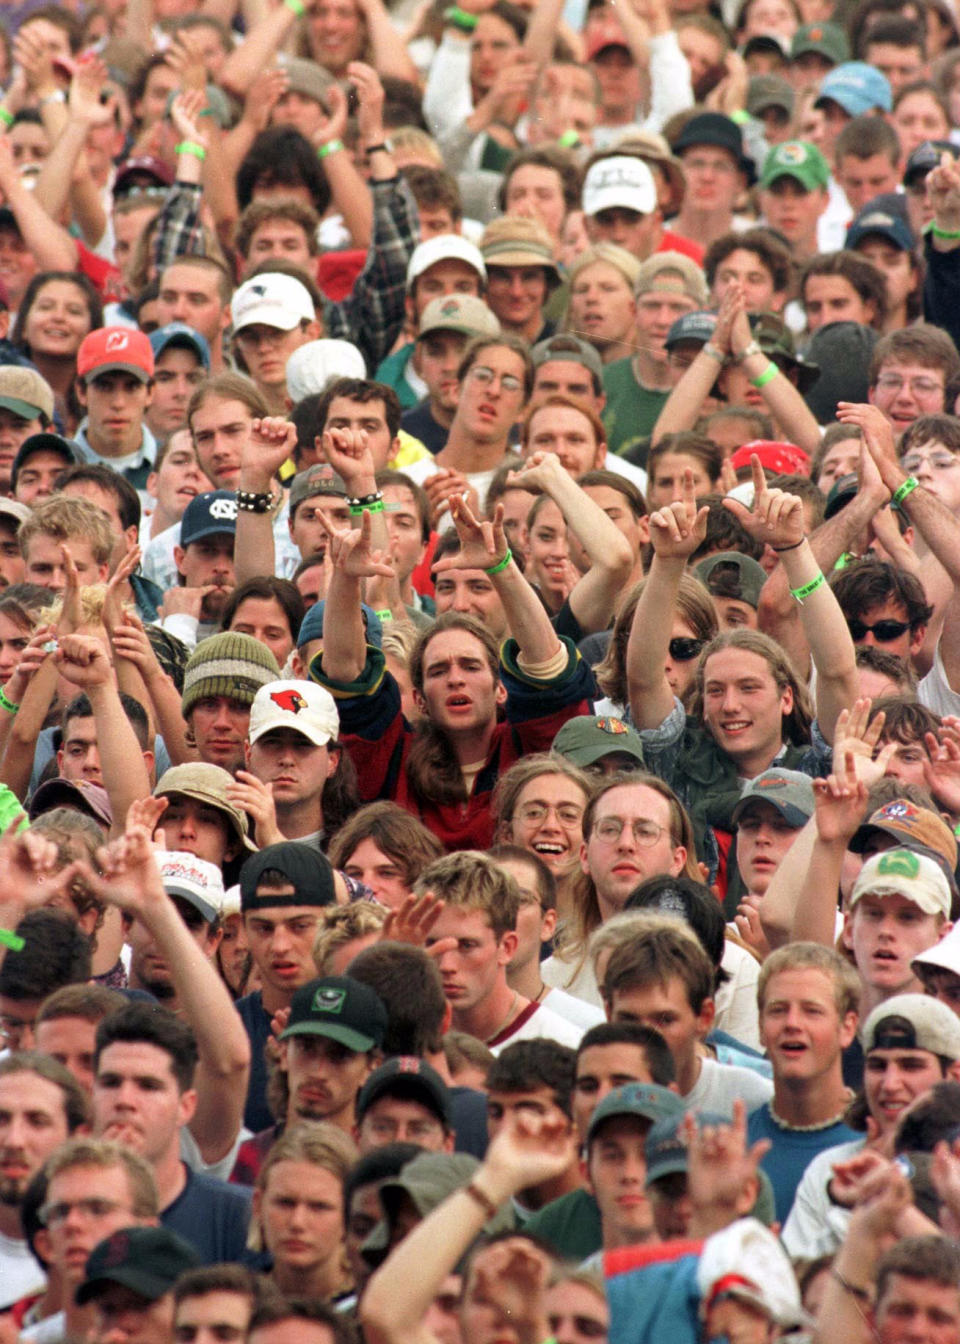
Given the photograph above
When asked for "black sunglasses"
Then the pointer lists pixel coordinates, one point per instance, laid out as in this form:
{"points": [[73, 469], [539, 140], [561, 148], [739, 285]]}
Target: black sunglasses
{"points": [[684, 648], [885, 632]]}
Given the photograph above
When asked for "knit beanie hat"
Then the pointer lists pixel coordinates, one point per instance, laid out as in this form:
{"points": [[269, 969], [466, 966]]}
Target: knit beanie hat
{"points": [[227, 664]]}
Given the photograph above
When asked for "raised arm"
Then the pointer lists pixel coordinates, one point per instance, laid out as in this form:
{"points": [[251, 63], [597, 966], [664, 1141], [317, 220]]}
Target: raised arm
{"points": [[349, 191], [265, 449], [50, 244], [777, 519], [84, 662], [594, 596], [264, 39], [390, 56], [783, 401], [131, 647], [131, 881], [682, 407], [353, 558], [64, 175], [483, 545], [527, 1150], [675, 533]]}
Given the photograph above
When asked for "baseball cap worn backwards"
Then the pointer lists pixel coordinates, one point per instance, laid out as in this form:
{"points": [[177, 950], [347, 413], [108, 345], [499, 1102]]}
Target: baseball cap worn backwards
{"points": [[342, 1009], [305, 869], [913, 1022]]}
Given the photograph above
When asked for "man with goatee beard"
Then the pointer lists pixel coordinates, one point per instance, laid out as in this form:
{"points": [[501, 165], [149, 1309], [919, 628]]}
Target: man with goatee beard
{"points": [[41, 1105]]}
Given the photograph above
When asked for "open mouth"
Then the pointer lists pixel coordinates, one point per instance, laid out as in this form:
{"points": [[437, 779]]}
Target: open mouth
{"points": [[459, 702], [548, 849], [735, 725]]}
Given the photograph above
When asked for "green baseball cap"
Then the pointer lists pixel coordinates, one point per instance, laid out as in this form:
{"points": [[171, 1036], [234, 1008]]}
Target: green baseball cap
{"points": [[730, 574], [647, 1101], [797, 159], [820, 39], [340, 1008], [588, 738]]}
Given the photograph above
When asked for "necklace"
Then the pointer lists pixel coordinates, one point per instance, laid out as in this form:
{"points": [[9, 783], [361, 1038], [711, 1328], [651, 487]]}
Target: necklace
{"points": [[513, 1003], [811, 1129]]}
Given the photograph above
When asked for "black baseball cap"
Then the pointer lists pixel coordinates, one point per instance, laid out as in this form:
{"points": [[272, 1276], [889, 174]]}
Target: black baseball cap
{"points": [[47, 442], [147, 1260], [340, 1008], [307, 870], [410, 1078]]}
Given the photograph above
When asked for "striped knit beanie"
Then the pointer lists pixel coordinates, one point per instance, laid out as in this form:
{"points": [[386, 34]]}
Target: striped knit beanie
{"points": [[227, 664]]}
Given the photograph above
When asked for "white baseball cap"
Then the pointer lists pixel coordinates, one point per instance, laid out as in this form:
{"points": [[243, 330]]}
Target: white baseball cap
{"points": [[621, 180], [444, 247], [275, 300], [315, 364], [301, 705], [196, 880], [904, 872]]}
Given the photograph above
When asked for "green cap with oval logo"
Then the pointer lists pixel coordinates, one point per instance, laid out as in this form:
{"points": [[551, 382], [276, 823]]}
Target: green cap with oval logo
{"points": [[340, 1008], [904, 872], [797, 159]]}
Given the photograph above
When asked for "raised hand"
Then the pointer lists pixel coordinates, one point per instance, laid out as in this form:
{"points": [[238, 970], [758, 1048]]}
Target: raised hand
{"points": [[113, 602], [840, 802], [878, 440], [83, 660], [776, 516], [71, 611], [130, 642], [677, 530], [185, 114], [441, 488], [35, 59], [847, 1182], [40, 647], [129, 877], [483, 543], [528, 1150], [351, 553], [89, 76], [943, 192], [537, 472], [334, 124], [749, 927], [720, 1166], [263, 95], [144, 814], [858, 735], [270, 442], [370, 100], [412, 922], [941, 773], [253, 796], [29, 874], [348, 452]]}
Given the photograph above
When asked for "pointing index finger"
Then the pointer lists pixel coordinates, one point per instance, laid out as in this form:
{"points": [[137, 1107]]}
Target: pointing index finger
{"points": [[759, 478]]}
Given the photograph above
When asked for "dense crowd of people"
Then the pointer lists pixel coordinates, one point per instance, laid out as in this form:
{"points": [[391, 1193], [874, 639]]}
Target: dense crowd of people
{"points": [[479, 672]]}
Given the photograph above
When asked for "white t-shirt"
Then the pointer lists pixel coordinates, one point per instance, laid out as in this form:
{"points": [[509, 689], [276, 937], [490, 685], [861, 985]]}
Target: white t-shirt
{"points": [[737, 999], [577, 1011], [20, 1274], [935, 690], [542, 1022], [584, 985], [816, 1226], [720, 1085]]}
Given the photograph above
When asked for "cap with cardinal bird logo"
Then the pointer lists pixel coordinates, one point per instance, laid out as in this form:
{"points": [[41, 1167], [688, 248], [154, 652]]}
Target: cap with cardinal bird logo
{"points": [[301, 705]]}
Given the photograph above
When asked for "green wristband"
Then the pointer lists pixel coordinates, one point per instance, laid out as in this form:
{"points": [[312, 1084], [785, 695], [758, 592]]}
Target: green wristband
{"points": [[949, 235], [569, 140], [296, 7], [7, 704], [191, 147], [385, 615], [845, 559], [460, 18], [500, 566], [801, 594], [901, 492], [330, 147], [358, 510], [768, 375], [12, 940], [7, 117]]}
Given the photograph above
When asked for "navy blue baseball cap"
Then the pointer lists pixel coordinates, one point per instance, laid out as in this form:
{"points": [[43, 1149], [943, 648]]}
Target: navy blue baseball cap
{"points": [[212, 513], [311, 626], [886, 217], [691, 327]]}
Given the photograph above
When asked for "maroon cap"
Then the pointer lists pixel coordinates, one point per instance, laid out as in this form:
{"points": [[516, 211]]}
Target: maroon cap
{"points": [[146, 164], [785, 459]]}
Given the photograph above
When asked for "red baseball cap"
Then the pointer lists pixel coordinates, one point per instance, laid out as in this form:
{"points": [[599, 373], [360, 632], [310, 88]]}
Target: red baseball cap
{"points": [[785, 459], [115, 350]]}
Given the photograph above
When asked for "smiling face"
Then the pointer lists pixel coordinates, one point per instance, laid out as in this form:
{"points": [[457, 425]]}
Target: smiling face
{"points": [[547, 554], [548, 819], [885, 933], [337, 34], [905, 390], [894, 1078], [743, 707], [58, 320]]}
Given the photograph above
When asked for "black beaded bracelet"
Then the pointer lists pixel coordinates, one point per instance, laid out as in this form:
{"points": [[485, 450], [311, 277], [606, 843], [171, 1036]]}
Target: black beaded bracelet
{"points": [[252, 502], [382, 147], [362, 501]]}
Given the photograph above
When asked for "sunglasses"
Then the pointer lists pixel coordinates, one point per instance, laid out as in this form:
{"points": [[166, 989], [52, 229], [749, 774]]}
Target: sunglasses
{"points": [[884, 632], [684, 648]]}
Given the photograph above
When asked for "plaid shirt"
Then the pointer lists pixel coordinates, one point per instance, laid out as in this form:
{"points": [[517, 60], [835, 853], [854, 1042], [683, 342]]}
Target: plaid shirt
{"points": [[372, 313], [179, 232]]}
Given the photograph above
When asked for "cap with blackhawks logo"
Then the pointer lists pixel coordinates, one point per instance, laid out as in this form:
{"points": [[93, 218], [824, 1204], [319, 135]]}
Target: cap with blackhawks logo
{"points": [[341, 1008], [301, 705]]}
